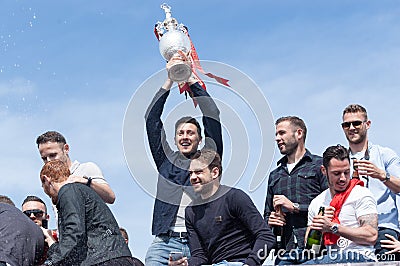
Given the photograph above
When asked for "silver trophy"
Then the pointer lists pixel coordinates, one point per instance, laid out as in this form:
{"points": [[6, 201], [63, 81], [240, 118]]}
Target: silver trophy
{"points": [[173, 39]]}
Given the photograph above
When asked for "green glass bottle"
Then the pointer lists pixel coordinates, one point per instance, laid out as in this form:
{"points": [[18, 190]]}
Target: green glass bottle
{"points": [[314, 239]]}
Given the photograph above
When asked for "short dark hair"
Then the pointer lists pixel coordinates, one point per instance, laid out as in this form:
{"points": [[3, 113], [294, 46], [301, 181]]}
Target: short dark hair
{"points": [[338, 152], [188, 120], [355, 108], [50, 136], [294, 121], [34, 198], [7, 200], [124, 233], [209, 157]]}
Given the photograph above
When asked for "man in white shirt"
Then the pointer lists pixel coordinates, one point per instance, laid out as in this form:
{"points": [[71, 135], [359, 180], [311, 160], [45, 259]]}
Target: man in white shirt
{"points": [[53, 146], [352, 232]]}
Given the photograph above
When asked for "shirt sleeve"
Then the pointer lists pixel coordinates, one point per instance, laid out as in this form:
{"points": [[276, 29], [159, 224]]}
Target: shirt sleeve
{"points": [[312, 211], [268, 208], [392, 162], [252, 219], [366, 204], [211, 118], [197, 254], [155, 128]]}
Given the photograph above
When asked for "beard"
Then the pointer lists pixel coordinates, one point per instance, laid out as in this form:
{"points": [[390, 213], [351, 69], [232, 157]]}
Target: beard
{"points": [[290, 147], [357, 138]]}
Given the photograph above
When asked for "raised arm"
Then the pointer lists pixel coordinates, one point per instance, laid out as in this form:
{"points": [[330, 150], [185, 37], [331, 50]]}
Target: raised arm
{"points": [[154, 126], [211, 118]]}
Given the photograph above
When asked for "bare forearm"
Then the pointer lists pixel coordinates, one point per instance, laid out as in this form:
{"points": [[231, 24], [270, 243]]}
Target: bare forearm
{"points": [[393, 184], [364, 235], [104, 191]]}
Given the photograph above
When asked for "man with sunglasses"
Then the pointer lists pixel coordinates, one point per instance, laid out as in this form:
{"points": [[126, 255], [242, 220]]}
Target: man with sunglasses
{"points": [[35, 208], [379, 168]]}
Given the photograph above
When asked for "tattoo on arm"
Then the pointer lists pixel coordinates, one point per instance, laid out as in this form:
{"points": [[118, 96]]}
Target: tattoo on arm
{"points": [[369, 219]]}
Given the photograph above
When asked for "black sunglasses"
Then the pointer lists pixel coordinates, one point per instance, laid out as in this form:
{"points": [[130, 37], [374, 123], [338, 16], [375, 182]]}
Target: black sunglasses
{"points": [[355, 124], [36, 212]]}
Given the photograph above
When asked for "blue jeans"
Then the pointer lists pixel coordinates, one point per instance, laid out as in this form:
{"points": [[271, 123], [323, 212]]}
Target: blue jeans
{"points": [[158, 252], [224, 262]]}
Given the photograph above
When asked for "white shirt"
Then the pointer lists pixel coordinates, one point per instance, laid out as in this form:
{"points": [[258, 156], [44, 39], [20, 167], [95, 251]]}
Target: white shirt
{"points": [[360, 202]]}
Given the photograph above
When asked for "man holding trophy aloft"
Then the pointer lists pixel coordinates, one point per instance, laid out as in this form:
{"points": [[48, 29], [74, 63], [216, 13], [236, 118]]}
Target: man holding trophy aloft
{"points": [[174, 191]]}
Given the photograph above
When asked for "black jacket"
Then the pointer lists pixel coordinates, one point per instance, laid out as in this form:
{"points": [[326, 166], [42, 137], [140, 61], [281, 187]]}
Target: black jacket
{"points": [[172, 166], [21, 240], [88, 231]]}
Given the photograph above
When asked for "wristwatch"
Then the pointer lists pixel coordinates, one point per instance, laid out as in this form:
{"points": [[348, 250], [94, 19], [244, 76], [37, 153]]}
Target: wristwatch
{"points": [[334, 228], [296, 207], [387, 177], [89, 180]]}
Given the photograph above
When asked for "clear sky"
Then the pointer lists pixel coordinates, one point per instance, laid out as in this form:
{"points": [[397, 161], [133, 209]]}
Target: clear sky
{"points": [[80, 67]]}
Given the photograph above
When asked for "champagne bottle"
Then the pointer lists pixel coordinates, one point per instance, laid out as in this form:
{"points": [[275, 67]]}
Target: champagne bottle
{"points": [[278, 232], [314, 239]]}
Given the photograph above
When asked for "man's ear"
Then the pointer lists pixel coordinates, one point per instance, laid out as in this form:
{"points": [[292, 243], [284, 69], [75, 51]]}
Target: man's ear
{"points": [[299, 133], [368, 124], [46, 178], [215, 172], [323, 170], [66, 148]]}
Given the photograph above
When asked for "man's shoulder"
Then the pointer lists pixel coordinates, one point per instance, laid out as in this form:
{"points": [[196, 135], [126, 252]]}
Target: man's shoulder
{"points": [[321, 196], [362, 191], [313, 157], [85, 169], [382, 150]]}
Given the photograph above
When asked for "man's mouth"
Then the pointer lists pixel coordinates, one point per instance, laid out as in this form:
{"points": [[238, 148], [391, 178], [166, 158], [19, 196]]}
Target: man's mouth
{"points": [[185, 144]]}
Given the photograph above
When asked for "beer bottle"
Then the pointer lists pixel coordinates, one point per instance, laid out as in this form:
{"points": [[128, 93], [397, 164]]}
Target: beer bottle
{"points": [[278, 232], [314, 239], [355, 170]]}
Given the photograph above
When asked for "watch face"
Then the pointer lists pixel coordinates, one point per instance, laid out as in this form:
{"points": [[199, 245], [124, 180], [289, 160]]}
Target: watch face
{"points": [[387, 176], [296, 205], [334, 228]]}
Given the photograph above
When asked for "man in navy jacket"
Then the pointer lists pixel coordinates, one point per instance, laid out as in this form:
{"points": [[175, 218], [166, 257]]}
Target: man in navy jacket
{"points": [[173, 179]]}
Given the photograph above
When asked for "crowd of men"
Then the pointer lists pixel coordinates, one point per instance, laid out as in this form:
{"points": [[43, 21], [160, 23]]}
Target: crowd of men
{"points": [[199, 221]]}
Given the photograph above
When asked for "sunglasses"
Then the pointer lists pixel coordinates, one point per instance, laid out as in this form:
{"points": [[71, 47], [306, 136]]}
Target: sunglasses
{"points": [[36, 212], [356, 124]]}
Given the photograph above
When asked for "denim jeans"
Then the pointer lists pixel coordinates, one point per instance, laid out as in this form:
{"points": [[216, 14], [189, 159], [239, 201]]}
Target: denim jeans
{"points": [[224, 262], [158, 252], [227, 263]]}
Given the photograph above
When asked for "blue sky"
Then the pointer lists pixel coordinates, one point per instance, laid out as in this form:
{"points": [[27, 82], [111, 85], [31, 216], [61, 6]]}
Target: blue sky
{"points": [[74, 66]]}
